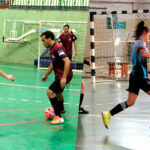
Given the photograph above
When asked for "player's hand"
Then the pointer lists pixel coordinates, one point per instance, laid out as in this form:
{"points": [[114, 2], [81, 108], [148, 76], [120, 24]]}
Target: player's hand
{"points": [[148, 71], [63, 83], [44, 78], [75, 53], [10, 77]]}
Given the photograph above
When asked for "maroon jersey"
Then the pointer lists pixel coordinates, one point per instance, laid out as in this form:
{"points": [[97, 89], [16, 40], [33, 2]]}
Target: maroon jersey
{"points": [[57, 54], [67, 40]]}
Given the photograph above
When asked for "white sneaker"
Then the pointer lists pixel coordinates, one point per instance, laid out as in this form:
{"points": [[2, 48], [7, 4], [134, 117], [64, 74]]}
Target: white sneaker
{"points": [[57, 120]]}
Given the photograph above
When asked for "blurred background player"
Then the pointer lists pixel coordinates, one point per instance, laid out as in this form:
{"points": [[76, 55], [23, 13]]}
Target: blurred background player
{"points": [[66, 39], [63, 74], [8, 77]]}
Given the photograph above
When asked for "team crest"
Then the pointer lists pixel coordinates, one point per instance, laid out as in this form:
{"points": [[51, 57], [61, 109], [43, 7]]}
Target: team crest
{"points": [[53, 57], [70, 39]]}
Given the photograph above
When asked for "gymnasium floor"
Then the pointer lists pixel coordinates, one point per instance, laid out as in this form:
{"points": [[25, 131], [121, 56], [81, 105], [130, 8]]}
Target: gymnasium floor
{"points": [[22, 104], [23, 126], [128, 130]]}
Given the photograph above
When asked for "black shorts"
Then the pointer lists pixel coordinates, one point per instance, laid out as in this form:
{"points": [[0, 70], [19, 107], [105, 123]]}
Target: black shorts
{"points": [[70, 57], [55, 86], [136, 84]]}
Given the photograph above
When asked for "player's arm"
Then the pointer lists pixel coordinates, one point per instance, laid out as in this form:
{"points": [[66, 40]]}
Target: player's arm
{"points": [[59, 40], [144, 53], [66, 66], [75, 46], [74, 38], [49, 70], [9, 77], [148, 71], [66, 70]]}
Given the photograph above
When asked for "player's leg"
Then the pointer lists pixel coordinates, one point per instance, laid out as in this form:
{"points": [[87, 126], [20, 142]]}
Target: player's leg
{"points": [[118, 108], [145, 85], [51, 92], [60, 98], [134, 87], [82, 110]]}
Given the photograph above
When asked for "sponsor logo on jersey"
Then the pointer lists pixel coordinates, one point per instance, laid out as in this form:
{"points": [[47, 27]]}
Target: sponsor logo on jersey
{"points": [[61, 52]]}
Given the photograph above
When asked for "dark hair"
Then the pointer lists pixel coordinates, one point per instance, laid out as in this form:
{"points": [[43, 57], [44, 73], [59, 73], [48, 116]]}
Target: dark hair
{"points": [[140, 29], [48, 34], [66, 25]]}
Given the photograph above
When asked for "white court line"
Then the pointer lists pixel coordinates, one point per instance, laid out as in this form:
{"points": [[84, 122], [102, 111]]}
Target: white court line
{"points": [[133, 115], [17, 67], [38, 101], [148, 111], [0, 97], [111, 102], [12, 99], [136, 120], [25, 100], [86, 106], [36, 87], [66, 103], [120, 117], [126, 115], [99, 104], [106, 82]]}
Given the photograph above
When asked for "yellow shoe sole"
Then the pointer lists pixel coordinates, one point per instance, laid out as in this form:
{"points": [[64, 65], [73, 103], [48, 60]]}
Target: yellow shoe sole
{"points": [[104, 121]]}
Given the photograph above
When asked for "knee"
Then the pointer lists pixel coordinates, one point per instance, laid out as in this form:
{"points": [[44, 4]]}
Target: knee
{"points": [[148, 92], [60, 97], [130, 103], [50, 93]]}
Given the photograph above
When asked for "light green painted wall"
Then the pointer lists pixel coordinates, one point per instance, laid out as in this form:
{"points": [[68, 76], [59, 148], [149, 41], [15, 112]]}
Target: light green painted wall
{"points": [[26, 53]]}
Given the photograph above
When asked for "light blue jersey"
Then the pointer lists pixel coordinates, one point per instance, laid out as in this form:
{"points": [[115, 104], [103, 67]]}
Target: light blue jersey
{"points": [[139, 63]]}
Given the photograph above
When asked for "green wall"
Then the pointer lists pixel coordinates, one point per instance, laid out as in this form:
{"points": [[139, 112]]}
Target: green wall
{"points": [[26, 53]]}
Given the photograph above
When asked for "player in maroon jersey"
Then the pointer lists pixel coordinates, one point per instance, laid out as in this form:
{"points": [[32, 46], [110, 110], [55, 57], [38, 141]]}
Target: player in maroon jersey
{"points": [[66, 39], [63, 74]]}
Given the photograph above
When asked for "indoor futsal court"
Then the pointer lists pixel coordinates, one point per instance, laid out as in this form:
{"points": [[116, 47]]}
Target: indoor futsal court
{"points": [[106, 45], [129, 130], [23, 124]]}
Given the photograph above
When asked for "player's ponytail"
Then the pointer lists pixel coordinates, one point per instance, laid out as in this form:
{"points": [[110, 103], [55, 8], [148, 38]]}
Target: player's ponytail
{"points": [[140, 29]]}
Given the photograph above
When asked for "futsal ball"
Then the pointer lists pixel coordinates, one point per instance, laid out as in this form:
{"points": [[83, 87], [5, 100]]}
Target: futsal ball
{"points": [[49, 113]]}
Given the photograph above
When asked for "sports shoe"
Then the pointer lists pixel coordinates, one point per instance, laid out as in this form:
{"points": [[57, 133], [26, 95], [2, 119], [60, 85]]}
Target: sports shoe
{"points": [[63, 111], [106, 118], [83, 111], [57, 120]]}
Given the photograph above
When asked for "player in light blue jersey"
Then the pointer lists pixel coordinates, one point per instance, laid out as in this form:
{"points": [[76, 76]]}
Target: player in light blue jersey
{"points": [[139, 75]]}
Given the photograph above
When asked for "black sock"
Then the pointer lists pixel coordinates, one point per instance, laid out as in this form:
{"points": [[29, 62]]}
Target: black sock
{"points": [[118, 108], [61, 105], [55, 104], [81, 100]]}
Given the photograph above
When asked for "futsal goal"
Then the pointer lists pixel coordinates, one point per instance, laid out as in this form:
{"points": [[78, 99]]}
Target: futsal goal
{"points": [[112, 37], [27, 33]]}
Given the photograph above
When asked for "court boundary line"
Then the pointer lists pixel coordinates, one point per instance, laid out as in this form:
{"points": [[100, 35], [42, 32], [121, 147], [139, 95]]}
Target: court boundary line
{"points": [[121, 117], [33, 69], [34, 87], [18, 67], [34, 108], [21, 122]]}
